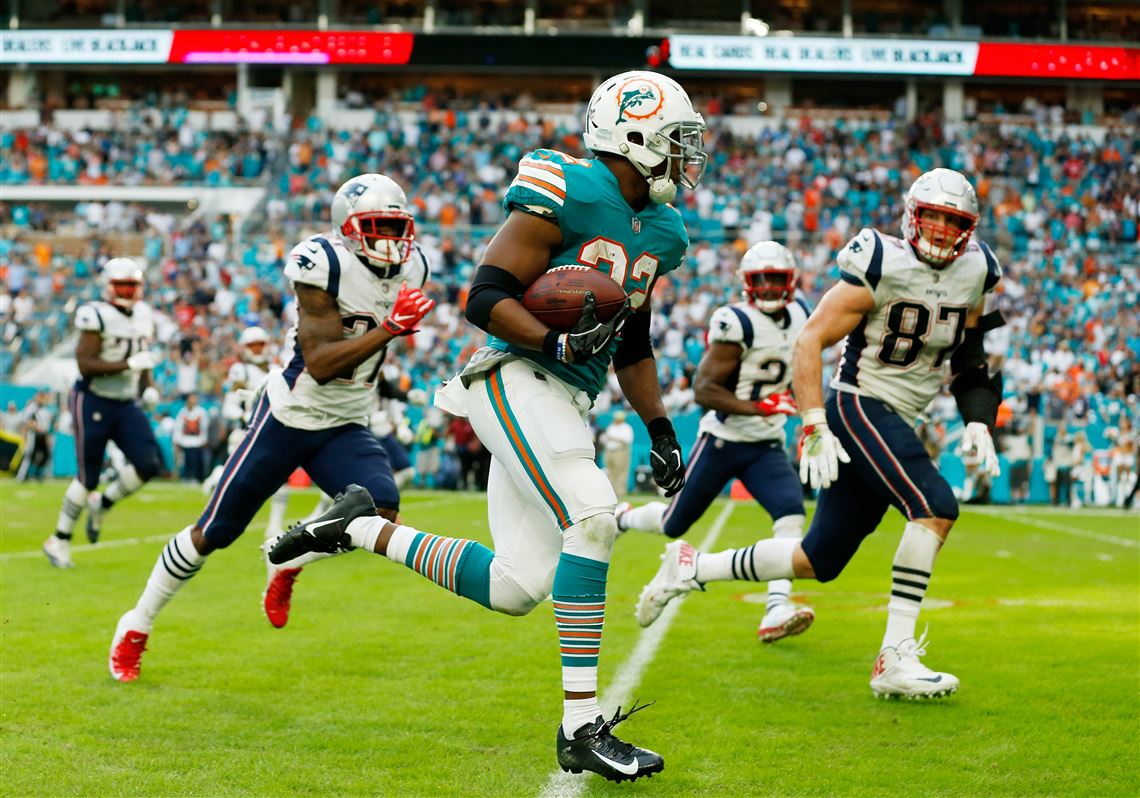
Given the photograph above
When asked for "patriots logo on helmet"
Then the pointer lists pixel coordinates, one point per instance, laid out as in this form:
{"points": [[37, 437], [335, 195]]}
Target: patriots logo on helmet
{"points": [[354, 190], [305, 264], [637, 95]]}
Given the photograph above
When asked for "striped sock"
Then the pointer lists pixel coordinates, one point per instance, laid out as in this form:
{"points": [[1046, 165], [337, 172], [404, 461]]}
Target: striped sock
{"points": [[763, 560], [176, 565], [910, 576], [778, 592], [74, 500], [461, 566], [579, 611]]}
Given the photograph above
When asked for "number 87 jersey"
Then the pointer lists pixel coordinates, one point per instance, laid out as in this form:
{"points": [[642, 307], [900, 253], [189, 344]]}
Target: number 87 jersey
{"points": [[898, 352]]}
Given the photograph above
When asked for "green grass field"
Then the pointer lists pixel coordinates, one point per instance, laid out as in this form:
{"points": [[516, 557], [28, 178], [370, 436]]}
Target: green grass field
{"points": [[383, 684]]}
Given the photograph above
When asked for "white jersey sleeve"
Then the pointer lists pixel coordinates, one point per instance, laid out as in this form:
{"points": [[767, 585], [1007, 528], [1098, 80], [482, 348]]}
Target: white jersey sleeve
{"points": [[725, 327], [237, 375], [87, 318], [316, 262], [861, 262]]}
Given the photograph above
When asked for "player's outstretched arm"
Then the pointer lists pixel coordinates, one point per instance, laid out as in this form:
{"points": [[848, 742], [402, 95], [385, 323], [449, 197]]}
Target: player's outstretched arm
{"points": [[840, 310], [519, 253], [838, 313], [328, 354]]}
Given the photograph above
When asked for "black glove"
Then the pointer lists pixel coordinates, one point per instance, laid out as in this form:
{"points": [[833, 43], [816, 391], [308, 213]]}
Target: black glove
{"points": [[589, 337], [665, 457]]}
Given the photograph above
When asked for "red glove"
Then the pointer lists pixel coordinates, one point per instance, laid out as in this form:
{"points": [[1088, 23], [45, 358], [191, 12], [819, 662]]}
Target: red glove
{"points": [[410, 307], [777, 403]]}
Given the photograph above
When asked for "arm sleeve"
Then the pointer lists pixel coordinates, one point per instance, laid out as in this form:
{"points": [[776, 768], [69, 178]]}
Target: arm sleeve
{"points": [[314, 262]]}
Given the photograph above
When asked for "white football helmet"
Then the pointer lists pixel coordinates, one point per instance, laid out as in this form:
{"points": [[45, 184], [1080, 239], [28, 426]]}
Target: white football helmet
{"points": [[122, 282], [254, 343], [768, 271], [948, 192], [370, 213], [648, 118]]}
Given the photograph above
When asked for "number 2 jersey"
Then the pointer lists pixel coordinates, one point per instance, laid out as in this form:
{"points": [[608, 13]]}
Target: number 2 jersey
{"points": [[898, 352], [364, 296], [766, 343], [599, 230], [123, 334]]}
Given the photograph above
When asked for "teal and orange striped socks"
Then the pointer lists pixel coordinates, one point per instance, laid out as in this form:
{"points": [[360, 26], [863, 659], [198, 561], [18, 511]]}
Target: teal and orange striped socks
{"points": [[459, 565], [579, 611]]}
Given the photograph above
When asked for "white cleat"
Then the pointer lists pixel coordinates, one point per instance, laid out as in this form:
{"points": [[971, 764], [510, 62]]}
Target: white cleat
{"points": [[676, 577], [898, 672], [58, 552], [786, 619]]}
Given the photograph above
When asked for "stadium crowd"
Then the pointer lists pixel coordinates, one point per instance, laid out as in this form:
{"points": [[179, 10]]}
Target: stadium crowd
{"points": [[1059, 207]]}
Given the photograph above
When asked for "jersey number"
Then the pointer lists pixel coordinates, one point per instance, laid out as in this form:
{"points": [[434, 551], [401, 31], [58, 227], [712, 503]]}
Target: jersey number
{"points": [[908, 327], [772, 372], [610, 257], [356, 325]]}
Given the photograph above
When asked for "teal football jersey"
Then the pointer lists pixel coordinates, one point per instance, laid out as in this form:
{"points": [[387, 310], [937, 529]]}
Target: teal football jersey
{"points": [[600, 230]]}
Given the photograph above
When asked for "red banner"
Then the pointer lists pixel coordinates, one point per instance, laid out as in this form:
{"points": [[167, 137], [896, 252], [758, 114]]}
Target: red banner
{"points": [[1069, 61], [289, 47]]}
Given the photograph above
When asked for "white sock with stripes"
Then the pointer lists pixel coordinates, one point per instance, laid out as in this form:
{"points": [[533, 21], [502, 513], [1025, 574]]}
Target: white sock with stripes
{"points": [[763, 560], [177, 563], [790, 527], [647, 518], [910, 575], [74, 500]]}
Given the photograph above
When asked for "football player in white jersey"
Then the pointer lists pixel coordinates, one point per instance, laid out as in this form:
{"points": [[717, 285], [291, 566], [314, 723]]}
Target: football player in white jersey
{"points": [[744, 379], [115, 360], [906, 307], [358, 288]]}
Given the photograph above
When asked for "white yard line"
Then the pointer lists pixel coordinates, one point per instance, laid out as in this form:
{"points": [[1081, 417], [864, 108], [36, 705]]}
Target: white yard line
{"points": [[569, 785], [1049, 509], [1076, 532]]}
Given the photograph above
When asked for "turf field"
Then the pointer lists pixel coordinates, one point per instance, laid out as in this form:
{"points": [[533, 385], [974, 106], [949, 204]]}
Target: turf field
{"points": [[383, 684]]}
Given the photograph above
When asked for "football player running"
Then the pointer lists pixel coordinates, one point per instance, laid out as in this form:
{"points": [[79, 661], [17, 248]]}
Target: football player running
{"points": [[550, 507], [357, 288], [744, 380], [115, 362], [905, 307]]}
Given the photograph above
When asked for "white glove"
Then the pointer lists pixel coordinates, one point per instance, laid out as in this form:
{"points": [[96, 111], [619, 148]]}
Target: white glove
{"points": [[417, 397], [820, 451], [976, 439], [151, 397], [142, 361]]}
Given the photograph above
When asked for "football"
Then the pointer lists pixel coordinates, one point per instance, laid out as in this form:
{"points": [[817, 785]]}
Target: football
{"points": [[556, 297]]}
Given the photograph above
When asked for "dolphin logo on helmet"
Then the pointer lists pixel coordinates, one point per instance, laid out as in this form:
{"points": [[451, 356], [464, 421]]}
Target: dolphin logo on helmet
{"points": [[640, 93]]}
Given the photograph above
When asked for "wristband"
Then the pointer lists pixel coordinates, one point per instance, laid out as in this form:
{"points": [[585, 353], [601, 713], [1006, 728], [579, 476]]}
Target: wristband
{"points": [[659, 427], [814, 417], [550, 345]]}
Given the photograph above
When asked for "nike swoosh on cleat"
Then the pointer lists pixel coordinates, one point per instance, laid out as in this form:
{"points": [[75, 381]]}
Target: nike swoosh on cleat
{"points": [[135, 640], [319, 524], [931, 679], [628, 770]]}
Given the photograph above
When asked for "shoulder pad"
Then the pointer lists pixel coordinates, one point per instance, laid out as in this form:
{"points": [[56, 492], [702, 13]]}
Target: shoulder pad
{"points": [[540, 185], [87, 318], [315, 262], [993, 268], [417, 269], [731, 325], [861, 261]]}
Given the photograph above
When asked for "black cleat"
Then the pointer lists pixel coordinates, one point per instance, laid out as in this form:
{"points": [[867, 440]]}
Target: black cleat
{"points": [[595, 749], [325, 534]]}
